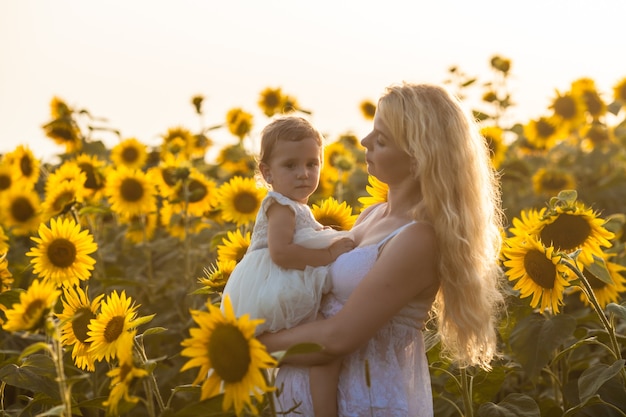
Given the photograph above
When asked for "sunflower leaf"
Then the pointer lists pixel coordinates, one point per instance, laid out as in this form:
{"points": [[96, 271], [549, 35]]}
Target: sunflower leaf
{"points": [[617, 309], [599, 269], [513, 405], [594, 377], [35, 347]]}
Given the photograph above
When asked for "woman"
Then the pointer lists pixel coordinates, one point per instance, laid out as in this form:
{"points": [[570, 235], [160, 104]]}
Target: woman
{"points": [[432, 248]]}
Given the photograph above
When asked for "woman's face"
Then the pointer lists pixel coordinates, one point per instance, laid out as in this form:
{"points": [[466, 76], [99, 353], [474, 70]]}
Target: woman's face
{"points": [[385, 160]]}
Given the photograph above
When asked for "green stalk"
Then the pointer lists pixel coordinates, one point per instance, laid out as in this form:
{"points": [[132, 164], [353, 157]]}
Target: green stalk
{"points": [[57, 356], [466, 391], [591, 296]]}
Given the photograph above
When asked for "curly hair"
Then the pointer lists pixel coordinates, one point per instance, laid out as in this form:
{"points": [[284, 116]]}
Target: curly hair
{"points": [[461, 199]]}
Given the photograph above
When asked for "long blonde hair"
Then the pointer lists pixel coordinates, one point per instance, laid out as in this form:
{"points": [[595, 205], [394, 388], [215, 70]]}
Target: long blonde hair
{"points": [[461, 199]]}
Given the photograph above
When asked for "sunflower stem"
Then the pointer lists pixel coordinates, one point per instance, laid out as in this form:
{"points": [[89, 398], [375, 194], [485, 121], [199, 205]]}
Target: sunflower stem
{"points": [[57, 353], [466, 390], [589, 293], [151, 386], [270, 395]]}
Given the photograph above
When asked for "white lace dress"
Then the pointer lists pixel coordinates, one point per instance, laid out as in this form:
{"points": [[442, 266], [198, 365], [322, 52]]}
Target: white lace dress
{"points": [[399, 381], [262, 289]]}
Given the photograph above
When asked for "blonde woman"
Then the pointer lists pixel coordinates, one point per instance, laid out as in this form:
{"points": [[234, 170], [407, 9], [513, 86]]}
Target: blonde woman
{"points": [[430, 250]]}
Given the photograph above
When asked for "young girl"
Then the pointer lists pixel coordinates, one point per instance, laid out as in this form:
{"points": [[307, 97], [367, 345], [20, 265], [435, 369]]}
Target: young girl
{"points": [[283, 275]]}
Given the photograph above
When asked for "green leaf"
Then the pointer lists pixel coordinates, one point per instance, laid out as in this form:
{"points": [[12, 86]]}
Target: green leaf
{"points": [[618, 309], [27, 379], [154, 330], [594, 377], [34, 348], [143, 320], [599, 269], [614, 107], [207, 408], [535, 339], [513, 405]]}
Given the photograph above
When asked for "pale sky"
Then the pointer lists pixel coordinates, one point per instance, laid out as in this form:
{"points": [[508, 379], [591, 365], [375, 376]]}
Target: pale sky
{"points": [[137, 63]]}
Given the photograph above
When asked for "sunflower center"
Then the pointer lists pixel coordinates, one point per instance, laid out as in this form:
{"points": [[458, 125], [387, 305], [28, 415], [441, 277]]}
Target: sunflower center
{"points": [[80, 323], [34, 308], [131, 190], [540, 269], [22, 210], [62, 253], [554, 182], [595, 282], [544, 129], [229, 353], [5, 182], [26, 166], [130, 154], [114, 329], [330, 222], [62, 201], [197, 191], [245, 203], [565, 107], [568, 232]]}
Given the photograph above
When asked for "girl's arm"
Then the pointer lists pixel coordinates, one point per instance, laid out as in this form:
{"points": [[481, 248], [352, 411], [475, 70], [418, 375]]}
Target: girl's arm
{"points": [[285, 253], [405, 268]]}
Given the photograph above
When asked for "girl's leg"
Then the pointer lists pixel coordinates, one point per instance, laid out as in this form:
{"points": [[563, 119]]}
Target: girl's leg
{"points": [[324, 381]]}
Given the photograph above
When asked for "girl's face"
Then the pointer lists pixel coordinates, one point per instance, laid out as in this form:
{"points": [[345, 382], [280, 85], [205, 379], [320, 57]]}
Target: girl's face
{"points": [[385, 160], [294, 169]]}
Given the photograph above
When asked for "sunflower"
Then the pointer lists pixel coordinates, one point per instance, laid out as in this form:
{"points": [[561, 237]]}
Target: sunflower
{"points": [[596, 135], [239, 122], [541, 133], [67, 171], [528, 222], [6, 278], [271, 101], [234, 247], [7, 176], [572, 227], [130, 153], [368, 109], [538, 272], [569, 111], [605, 293], [61, 199], [168, 175], [141, 227], [585, 88], [78, 311], [62, 252], [123, 376], [197, 192], [339, 158], [619, 91], [24, 164], [20, 210], [4, 241], [216, 276], [225, 349], [239, 200], [64, 131], [175, 223], [236, 160], [377, 191], [107, 332], [94, 171], [494, 136], [58, 108], [178, 140], [332, 214], [130, 191], [35, 303], [552, 181]]}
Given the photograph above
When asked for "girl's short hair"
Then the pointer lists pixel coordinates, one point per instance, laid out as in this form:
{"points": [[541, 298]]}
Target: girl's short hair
{"points": [[287, 128]]}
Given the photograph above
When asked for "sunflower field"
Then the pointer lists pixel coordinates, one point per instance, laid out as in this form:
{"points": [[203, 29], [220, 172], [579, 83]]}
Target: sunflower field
{"points": [[113, 260]]}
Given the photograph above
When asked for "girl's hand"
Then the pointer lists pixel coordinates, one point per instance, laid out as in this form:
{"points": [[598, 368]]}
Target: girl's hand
{"points": [[343, 245]]}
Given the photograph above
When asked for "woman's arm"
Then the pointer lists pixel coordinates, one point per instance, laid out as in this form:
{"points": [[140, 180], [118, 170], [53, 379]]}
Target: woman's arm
{"points": [[285, 253], [405, 268]]}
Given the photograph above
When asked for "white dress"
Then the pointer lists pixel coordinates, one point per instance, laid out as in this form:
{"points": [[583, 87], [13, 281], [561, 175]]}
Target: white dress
{"points": [[262, 289], [399, 379]]}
